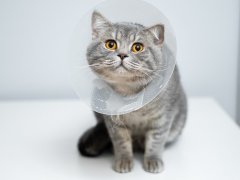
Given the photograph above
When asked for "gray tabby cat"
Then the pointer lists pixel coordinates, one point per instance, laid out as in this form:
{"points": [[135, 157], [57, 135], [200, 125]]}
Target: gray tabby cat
{"points": [[127, 57]]}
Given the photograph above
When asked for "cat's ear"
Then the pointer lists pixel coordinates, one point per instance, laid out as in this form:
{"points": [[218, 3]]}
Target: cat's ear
{"points": [[99, 24], [157, 31]]}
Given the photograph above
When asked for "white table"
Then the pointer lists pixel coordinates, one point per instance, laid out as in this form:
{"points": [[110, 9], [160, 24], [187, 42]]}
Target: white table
{"points": [[38, 142]]}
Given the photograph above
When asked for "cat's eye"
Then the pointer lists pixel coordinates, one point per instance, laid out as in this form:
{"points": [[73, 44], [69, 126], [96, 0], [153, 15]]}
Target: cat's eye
{"points": [[111, 45], [137, 47]]}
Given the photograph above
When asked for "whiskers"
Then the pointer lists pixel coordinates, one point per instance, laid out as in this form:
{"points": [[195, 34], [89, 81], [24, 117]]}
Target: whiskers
{"points": [[109, 62], [104, 64], [150, 73], [86, 66]]}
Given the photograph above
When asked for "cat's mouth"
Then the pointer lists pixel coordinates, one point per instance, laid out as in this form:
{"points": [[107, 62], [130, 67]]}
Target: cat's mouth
{"points": [[121, 68]]}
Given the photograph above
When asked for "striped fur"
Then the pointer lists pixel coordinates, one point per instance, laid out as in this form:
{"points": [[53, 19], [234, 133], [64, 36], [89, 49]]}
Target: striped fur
{"points": [[154, 125]]}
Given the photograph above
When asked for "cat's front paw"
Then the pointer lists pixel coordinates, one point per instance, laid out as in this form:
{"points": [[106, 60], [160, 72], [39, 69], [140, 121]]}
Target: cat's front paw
{"points": [[153, 165], [123, 165]]}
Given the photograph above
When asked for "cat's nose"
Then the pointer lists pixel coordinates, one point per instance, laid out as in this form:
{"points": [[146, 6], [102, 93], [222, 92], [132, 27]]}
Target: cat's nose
{"points": [[122, 56]]}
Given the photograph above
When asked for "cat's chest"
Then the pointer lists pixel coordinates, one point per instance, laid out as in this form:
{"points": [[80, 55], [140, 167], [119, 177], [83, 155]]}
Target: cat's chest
{"points": [[136, 123], [141, 121]]}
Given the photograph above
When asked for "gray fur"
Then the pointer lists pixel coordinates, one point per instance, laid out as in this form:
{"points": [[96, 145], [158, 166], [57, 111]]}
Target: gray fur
{"points": [[157, 123]]}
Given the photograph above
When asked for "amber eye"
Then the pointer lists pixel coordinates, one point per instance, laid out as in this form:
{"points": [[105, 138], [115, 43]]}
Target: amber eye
{"points": [[137, 47], [111, 45]]}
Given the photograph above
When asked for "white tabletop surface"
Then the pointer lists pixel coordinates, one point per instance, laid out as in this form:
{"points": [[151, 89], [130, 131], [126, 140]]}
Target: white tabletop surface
{"points": [[38, 142]]}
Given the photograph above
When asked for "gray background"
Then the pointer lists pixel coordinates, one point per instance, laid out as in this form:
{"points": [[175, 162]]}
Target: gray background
{"points": [[34, 38]]}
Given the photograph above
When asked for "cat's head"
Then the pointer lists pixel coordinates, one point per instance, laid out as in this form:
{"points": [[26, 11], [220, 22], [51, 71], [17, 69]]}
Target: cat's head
{"points": [[125, 55]]}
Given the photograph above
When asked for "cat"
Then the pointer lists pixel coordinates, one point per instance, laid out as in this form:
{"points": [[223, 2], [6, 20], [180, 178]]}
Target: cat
{"points": [[127, 57]]}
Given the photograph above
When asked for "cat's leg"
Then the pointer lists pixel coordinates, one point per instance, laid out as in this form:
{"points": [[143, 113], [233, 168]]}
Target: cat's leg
{"points": [[176, 128], [122, 145], [154, 146], [179, 120]]}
